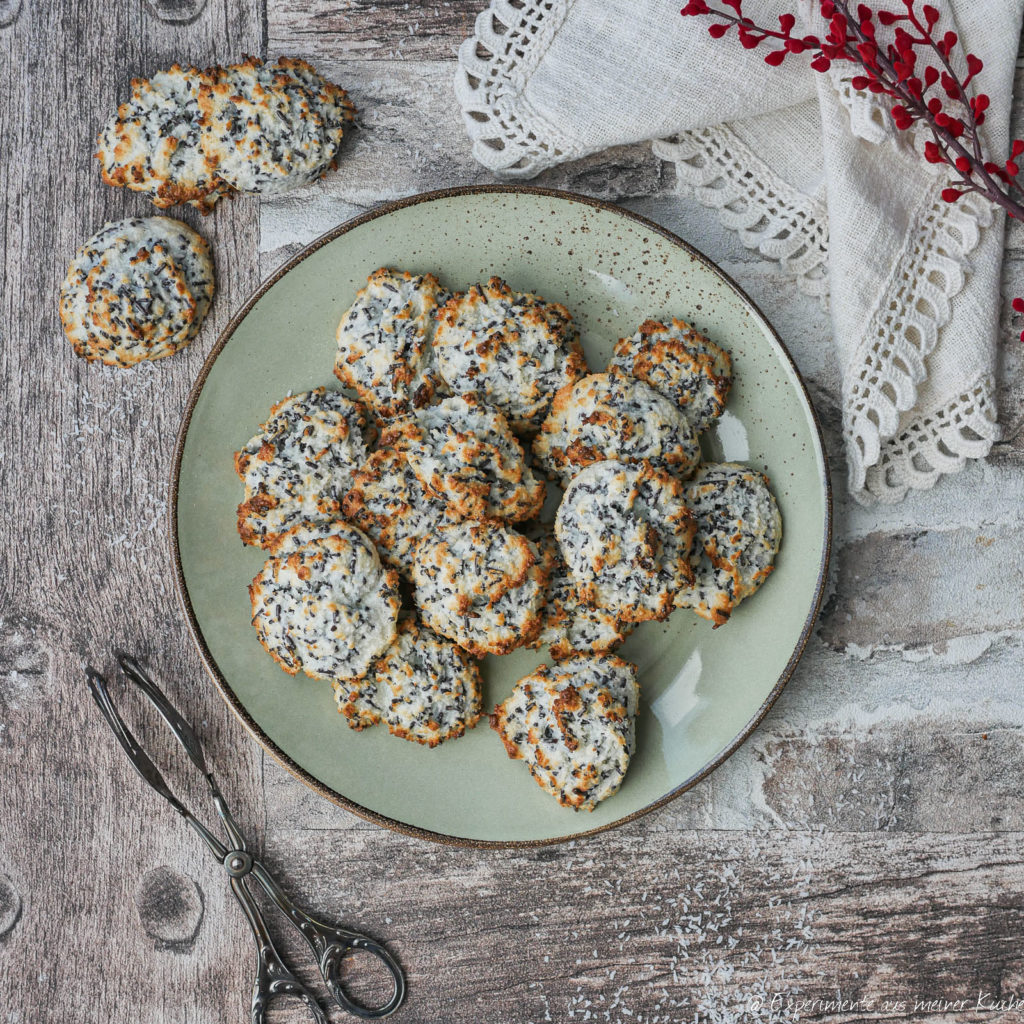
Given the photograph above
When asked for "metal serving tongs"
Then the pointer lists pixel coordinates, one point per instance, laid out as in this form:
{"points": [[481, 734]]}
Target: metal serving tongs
{"points": [[330, 945]]}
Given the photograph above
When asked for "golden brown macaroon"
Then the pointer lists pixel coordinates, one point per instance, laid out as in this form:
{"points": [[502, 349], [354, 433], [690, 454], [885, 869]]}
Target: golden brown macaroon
{"points": [[681, 364], [614, 416], [466, 454], [514, 350], [480, 584]]}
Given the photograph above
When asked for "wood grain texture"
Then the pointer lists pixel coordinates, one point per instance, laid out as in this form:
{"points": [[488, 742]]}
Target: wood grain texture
{"points": [[377, 30], [865, 843], [84, 563]]}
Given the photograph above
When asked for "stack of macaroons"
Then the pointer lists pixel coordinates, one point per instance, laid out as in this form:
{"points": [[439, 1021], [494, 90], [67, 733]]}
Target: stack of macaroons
{"points": [[140, 288], [449, 500]]}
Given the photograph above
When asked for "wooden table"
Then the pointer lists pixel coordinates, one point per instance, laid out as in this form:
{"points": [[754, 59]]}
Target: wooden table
{"points": [[864, 845]]}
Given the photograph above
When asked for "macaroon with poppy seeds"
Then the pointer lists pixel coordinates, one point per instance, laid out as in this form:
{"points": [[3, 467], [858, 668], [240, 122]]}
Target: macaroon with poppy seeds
{"points": [[614, 416], [625, 534], [151, 144], [328, 608], [573, 724], [514, 350], [428, 687], [138, 289], [299, 465], [481, 585], [424, 688], [464, 452], [739, 532], [385, 351], [191, 136], [571, 626], [390, 505], [681, 364]]}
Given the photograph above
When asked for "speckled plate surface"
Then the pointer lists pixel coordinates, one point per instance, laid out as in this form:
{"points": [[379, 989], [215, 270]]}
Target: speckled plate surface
{"points": [[703, 691]]}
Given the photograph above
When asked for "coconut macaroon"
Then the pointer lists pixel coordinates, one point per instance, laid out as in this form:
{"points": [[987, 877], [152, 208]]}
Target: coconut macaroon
{"points": [[428, 688], [329, 608], [152, 142], [681, 364], [513, 349], [190, 136], [739, 530], [384, 342], [625, 534], [569, 626], [573, 725], [300, 464], [424, 688], [270, 128], [480, 584], [138, 289], [614, 416], [466, 454], [389, 504]]}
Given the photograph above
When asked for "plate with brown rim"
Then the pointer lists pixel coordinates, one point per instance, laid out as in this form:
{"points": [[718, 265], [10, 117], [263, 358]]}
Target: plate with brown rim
{"points": [[703, 690]]}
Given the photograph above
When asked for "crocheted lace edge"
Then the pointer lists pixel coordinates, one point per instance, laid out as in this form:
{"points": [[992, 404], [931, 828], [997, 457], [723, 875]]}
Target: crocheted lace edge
{"points": [[770, 216], [509, 40]]}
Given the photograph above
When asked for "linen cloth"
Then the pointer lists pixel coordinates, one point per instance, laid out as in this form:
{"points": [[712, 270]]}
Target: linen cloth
{"points": [[808, 171]]}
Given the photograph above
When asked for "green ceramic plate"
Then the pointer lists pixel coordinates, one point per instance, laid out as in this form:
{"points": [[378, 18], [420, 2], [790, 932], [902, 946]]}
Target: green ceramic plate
{"points": [[704, 691]]}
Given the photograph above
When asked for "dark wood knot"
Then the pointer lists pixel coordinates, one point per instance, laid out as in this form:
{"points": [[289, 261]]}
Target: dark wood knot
{"points": [[10, 906], [170, 907], [176, 12]]}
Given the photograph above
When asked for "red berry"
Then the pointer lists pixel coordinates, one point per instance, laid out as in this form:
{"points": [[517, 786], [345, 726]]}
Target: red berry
{"points": [[1018, 305], [775, 58], [951, 195]]}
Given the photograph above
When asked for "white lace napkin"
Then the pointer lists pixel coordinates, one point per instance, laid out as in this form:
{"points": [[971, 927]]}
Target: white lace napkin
{"points": [[809, 172]]}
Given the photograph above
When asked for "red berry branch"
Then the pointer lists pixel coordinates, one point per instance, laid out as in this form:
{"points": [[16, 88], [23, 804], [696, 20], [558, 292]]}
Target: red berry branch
{"points": [[913, 68]]}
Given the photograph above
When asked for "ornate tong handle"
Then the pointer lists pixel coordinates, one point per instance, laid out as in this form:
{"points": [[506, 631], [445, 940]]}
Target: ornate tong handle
{"points": [[331, 946]]}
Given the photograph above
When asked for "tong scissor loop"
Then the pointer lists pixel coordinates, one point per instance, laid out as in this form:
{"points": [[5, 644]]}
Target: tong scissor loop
{"points": [[330, 945]]}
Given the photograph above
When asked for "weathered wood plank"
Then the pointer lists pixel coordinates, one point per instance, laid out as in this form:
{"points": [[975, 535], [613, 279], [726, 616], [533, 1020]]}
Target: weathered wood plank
{"points": [[123, 916], [894, 590], [682, 926], [381, 30]]}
